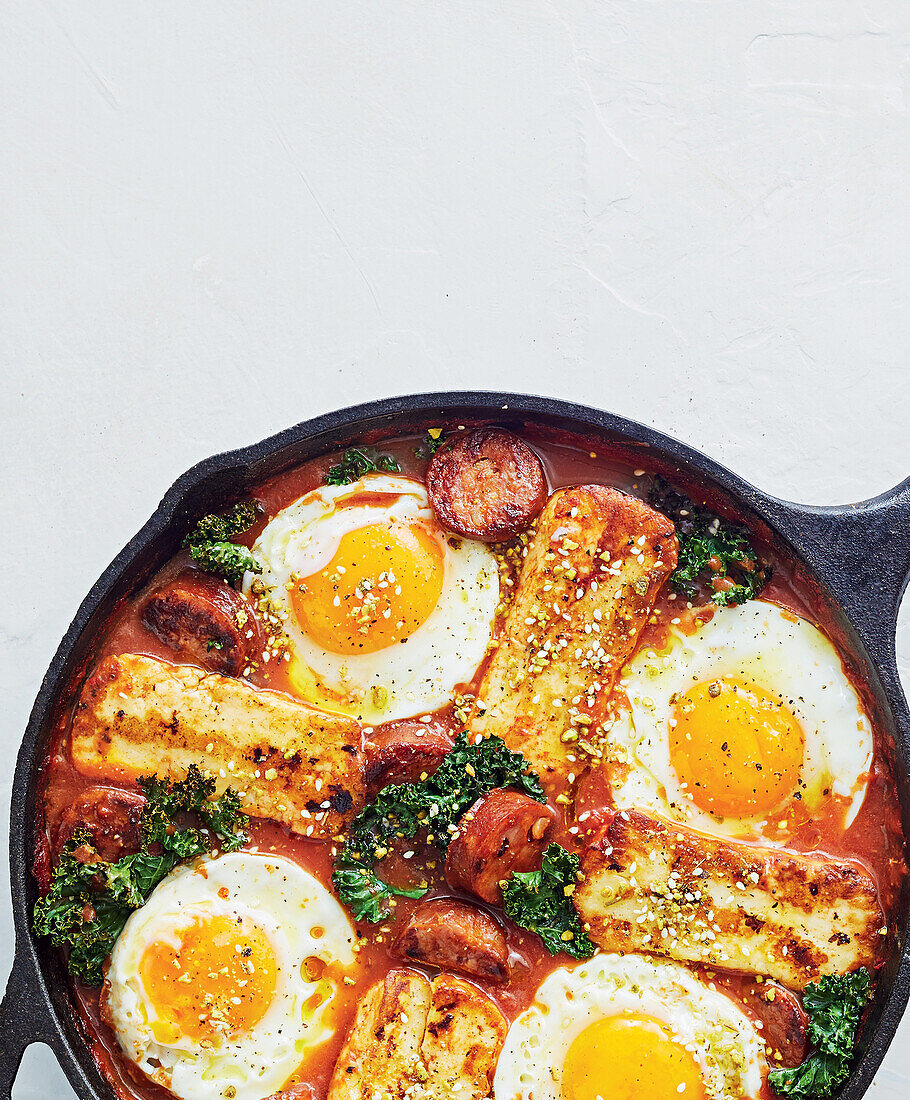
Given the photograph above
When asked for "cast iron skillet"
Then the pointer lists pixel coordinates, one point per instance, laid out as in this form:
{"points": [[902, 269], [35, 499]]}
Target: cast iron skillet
{"points": [[858, 556]]}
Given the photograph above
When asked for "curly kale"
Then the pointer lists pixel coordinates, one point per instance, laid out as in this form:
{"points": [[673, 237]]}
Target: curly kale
{"points": [[90, 899], [431, 443], [225, 559], [835, 1004], [436, 804], [223, 527], [711, 550], [210, 546], [357, 461], [541, 901], [360, 888]]}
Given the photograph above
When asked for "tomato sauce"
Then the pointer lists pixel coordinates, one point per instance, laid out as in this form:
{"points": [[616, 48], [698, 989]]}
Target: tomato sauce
{"points": [[874, 838]]}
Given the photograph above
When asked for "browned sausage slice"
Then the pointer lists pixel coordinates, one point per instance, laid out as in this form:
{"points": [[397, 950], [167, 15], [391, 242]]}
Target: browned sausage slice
{"points": [[402, 752], [504, 831], [111, 814], [487, 485], [204, 619], [456, 936], [784, 1022]]}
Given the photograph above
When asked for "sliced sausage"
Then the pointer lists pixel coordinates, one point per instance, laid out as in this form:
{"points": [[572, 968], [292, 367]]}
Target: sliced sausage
{"points": [[455, 936], [204, 619], [504, 831], [402, 752], [487, 485], [111, 815], [41, 865], [784, 1022]]}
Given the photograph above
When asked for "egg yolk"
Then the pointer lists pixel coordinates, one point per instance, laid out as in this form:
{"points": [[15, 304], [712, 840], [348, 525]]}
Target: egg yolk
{"points": [[738, 750], [213, 977], [630, 1057], [380, 586]]}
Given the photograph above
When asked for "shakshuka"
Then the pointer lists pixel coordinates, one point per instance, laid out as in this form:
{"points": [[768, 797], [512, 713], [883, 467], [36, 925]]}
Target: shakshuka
{"points": [[471, 764]]}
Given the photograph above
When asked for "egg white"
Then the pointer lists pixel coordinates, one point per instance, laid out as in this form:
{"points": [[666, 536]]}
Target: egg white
{"points": [[767, 647], [299, 917], [721, 1037], [412, 677]]}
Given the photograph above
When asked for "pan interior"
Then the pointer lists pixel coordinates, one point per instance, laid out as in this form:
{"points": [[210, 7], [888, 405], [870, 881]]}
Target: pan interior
{"points": [[221, 480]]}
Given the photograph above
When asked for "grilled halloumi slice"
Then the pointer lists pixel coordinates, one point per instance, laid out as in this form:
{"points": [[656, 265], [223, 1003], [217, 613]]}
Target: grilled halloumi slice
{"points": [[417, 1040], [464, 1034], [381, 1054], [651, 885], [592, 573], [289, 761]]}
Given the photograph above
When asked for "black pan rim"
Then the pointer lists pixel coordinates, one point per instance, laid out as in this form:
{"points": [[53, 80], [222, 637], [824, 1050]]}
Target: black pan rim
{"points": [[28, 1009]]}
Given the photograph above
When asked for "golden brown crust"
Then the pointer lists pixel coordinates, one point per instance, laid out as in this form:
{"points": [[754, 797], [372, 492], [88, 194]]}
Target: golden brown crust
{"points": [[455, 936], [487, 484], [290, 762], [204, 620], [381, 1054], [403, 751], [592, 573], [464, 1035], [651, 885], [421, 1041], [504, 832]]}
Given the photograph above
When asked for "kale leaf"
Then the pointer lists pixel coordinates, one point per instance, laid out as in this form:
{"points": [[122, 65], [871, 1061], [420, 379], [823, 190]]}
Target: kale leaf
{"points": [[226, 559], [357, 461], [436, 804], [541, 901], [210, 546], [834, 1004], [712, 550], [223, 527], [73, 914], [469, 771], [90, 899], [362, 890], [431, 443], [194, 794]]}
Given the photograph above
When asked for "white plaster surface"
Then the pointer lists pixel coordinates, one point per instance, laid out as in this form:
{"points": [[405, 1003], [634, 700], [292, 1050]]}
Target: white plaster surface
{"points": [[220, 218]]}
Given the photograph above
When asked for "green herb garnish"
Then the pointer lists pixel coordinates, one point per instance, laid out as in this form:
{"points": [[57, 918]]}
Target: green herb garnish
{"points": [[541, 901], [436, 804], [711, 550], [357, 461], [431, 443], [834, 1004], [89, 899], [211, 548], [223, 527], [227, 559]]}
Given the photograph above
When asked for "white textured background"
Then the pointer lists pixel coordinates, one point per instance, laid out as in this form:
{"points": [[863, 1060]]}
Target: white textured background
{"points": [[219, 218]]}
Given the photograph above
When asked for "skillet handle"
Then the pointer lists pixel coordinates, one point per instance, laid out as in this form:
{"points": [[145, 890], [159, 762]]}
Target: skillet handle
{"points": [[23, 1020], [862, 552]]}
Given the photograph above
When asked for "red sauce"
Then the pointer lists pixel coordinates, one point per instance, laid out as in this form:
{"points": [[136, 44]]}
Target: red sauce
{"points": [[874, 838]]}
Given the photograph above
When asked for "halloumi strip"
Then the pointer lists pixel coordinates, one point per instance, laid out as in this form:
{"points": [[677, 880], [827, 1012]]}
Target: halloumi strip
{"points": [[651, 885], [417, 1040], [464, 1034], [289, 761], [592, 573], [381, 1054]]}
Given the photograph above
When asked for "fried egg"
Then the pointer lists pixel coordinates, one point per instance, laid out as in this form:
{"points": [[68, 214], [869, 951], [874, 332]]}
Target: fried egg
{"points": [[384, 613], [226, 980], [748, 727], [626, 1026]]}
